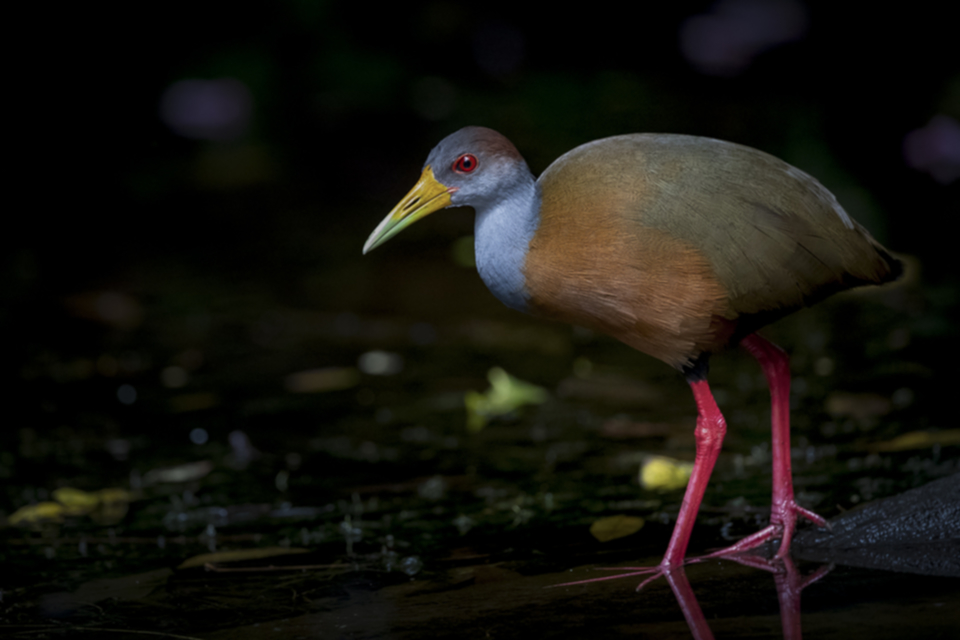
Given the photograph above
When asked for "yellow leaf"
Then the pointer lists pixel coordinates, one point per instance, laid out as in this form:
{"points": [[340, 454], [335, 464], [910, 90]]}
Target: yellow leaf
{"points": [[606, 529], [918, 440], [75, 501], [237, 556], [40, 512], [113, 495], [506, 394], [187, 472], [107, 506], [660, 473]]}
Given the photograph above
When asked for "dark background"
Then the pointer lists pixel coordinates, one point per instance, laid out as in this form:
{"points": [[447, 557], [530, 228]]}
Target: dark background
{"points": [[231, 249], [338, 130]]}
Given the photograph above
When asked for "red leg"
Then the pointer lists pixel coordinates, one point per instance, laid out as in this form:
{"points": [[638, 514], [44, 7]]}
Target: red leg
{"points": [[784, 510], [711, 427]]}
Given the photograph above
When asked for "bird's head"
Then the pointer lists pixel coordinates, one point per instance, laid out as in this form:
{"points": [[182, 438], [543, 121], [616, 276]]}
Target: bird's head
{"points": [[473, 167]]}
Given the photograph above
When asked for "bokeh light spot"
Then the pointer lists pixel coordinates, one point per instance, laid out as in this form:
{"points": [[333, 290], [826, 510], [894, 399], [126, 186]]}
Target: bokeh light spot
{"points": [[724, 41], [380, 363], [126, 394], [935, 149], [207, 109], [174, 377]]}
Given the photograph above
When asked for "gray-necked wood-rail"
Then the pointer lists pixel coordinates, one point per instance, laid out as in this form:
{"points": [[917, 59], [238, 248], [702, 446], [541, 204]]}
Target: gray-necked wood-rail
{"points": [[677, 245]]}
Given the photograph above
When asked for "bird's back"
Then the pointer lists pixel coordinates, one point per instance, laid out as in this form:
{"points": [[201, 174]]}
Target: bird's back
{"points": [[678, 244]]}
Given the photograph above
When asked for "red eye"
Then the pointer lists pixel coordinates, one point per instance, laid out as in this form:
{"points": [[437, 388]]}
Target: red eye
{"points": [[465, 163]]}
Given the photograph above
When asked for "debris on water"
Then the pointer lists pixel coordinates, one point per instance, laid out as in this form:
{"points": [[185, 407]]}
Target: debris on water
{"points": [[660, 473], [187, 472], [463, 523], [432, 489], [918, 440], [239, 555], [613, 527], [36, 513], [506, 395], [411, 565]]}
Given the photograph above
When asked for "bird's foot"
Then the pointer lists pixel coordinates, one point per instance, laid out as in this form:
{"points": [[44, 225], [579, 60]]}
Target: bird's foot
{"points": [[783, 523], [664, 569], [651, 573]]}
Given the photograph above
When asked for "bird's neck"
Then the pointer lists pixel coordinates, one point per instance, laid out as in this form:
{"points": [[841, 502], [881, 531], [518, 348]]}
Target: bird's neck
{"points": [[503, 231]]}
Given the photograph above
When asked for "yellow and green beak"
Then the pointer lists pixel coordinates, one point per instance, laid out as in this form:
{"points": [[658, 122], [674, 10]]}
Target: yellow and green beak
{"points": [[427, 196]]}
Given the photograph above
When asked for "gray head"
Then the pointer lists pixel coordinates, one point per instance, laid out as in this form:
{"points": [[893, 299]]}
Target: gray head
{"points": [[475, 167], [480, 163]]}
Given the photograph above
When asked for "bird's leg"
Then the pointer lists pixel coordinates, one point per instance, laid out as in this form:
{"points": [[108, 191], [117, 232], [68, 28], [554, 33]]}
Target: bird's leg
{"points": [[784, 509], [711, 427]]}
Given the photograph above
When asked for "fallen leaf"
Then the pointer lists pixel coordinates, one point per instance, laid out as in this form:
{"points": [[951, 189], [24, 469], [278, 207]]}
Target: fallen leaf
{"points": [[620, 526], [76, 502], [660, 473], [506, 394], [113, 495], [106, 506], [35, 513], [180, 473], [858, 405], [917, 440], [240, 555]]}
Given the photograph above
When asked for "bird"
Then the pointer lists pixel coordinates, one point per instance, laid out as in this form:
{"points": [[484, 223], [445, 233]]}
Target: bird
{"points": [[679, 246]]}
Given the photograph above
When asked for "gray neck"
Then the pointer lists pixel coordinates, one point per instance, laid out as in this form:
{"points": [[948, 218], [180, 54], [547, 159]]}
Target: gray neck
{"points": [[503, 232]]}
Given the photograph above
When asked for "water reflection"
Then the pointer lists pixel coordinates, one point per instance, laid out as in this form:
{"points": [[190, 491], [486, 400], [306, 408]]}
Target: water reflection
{"points": [[789, 584]]}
